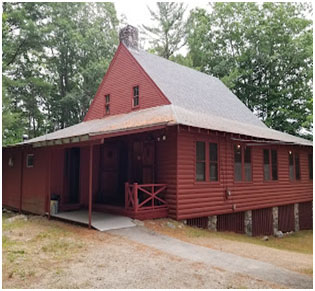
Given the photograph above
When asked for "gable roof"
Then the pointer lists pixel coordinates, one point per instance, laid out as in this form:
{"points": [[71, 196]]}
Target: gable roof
{"points": [[194, 90], [197, 99]]}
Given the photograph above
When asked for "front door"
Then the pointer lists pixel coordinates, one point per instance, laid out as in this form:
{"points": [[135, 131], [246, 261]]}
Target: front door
{"points": [[143, 156]]}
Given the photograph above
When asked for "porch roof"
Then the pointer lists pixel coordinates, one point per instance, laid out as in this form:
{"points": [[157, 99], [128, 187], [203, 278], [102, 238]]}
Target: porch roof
{"points": [[166, 115]]}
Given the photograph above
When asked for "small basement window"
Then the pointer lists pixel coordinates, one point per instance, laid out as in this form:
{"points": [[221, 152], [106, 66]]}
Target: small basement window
{"points": [[30, 161], [200, 161], [107, 104], [135, 99]]}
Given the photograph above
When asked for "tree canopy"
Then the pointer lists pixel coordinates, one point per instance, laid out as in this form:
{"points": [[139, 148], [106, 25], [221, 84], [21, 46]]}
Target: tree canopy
{"points": [[263, 53], [55, 55]]}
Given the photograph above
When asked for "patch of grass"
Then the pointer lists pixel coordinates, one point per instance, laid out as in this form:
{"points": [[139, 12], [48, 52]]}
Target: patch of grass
{"points": [[301, 241], [6, 242], [7, 226], [308, 271]]}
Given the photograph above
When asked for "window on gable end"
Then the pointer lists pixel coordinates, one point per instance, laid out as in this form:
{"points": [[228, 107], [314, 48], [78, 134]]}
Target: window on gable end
{"points": [[135, 99], [107, 104]]}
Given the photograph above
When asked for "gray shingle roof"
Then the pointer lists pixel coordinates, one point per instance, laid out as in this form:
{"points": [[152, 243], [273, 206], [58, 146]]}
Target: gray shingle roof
{"points": [[197, 100], [193, 90]]}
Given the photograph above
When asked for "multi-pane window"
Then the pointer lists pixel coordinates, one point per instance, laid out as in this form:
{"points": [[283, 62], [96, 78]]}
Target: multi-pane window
{"points": [[247, 164], [270, 165], [237, 162], [30, 161], [213, 161], [200, 161], [294, 166], [310, 166], [242, 163], [135, 100], [107, 104]]}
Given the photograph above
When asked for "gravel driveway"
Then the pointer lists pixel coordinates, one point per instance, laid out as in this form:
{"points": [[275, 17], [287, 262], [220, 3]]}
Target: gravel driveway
{"points": [[227, 261]]}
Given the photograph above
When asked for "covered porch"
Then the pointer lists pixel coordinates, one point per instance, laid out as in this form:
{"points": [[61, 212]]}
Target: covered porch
{"points": [[117, 175]]}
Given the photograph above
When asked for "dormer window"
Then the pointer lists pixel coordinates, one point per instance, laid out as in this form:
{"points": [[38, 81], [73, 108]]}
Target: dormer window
{"points": [[135, 100], [107, 104]]}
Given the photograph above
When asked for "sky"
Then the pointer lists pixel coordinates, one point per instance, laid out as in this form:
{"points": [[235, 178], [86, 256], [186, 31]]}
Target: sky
{"points": [[138, 14]]}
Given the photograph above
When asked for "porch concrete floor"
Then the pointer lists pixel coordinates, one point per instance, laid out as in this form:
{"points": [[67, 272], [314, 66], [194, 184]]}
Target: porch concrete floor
{"points": [[100, 220]]}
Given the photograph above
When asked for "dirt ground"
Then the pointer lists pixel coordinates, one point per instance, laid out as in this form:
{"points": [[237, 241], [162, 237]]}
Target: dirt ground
{"points": [[38, 253], [294, 261]]}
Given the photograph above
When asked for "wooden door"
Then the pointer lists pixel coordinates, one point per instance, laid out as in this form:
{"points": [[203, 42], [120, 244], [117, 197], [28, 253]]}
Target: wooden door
{"points": [[109, 173], [148, 157], [143, 158]]}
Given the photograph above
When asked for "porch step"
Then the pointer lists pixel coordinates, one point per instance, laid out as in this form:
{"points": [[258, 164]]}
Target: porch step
{"points": [[100, 220]]}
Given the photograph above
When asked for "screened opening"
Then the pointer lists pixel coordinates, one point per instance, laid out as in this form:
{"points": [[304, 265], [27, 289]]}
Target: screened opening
{"points": [[200, 161], [213, 150], [310, 166], [135, 96], [274, 164], [248, 164], [30, 161], [266, 165], [237, 163]]}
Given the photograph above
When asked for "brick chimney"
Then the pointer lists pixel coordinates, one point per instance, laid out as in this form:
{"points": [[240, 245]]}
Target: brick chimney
{"points": [[129, 36]]}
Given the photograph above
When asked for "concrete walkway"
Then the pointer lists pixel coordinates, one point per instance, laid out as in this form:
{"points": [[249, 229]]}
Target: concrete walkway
{"points": [[100, 220], [214, 258]]}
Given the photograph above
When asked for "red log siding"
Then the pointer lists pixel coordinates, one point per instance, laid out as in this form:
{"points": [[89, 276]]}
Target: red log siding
{"points": [[166, 160], [35, 182], [306, 215], [198, 199], [286, 221], [231, 222], [262, 222], [120, 87], [11, 178]]}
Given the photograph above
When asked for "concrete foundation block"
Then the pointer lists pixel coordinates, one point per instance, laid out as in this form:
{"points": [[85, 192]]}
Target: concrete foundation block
{"points": [[212, 223], [296, 217], [275, 217], [248, 222]]}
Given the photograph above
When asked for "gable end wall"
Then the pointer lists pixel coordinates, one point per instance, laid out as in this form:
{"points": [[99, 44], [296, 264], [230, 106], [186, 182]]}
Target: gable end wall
{"points": [[123, 74]]}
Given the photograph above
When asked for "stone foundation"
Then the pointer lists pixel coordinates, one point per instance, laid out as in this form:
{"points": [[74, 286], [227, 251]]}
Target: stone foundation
{"points": [[212, 223], [275, 219], [248, 222], [296, 216]]}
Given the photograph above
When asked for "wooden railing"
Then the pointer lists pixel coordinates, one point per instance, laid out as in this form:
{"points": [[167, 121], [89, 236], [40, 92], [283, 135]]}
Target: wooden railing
{"points": [[143, 197]]}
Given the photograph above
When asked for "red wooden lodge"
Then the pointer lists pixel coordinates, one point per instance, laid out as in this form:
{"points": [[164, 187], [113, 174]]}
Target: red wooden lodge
{"points": [[164, 140]]}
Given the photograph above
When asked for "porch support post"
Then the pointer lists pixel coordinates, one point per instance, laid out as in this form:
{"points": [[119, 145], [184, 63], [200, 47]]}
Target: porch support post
{"points": [[21, 181], [135, 196], [49, 181], [90, 184]]}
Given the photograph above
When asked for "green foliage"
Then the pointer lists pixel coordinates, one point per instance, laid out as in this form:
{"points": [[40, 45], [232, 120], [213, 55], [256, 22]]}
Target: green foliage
{"points": [[263, 53], [170, 30], [54, 57]]}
